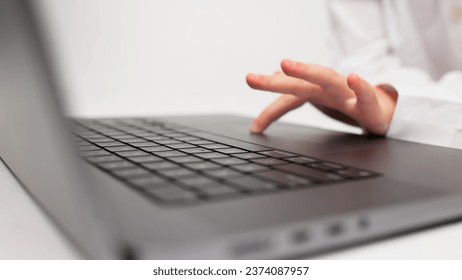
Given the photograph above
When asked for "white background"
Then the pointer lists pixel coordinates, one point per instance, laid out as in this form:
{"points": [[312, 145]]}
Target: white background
{"points": [[146, 57]]}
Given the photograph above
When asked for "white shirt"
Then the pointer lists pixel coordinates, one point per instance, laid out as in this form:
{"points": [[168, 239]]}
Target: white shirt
{"points": [[414, 45]]}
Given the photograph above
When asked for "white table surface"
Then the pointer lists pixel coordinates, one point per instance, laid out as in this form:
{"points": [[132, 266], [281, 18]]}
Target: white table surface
{"points": [[27, 233]]}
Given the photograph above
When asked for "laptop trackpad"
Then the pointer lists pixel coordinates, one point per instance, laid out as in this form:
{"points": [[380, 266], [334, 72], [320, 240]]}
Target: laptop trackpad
{"points": [[295, 138]]}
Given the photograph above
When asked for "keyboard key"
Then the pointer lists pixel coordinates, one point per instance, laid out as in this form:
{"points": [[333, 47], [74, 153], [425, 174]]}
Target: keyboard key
{"points": [[277, 154], [113, 133], [302, 160], [250, 168], [116, 165], [223, 173], [215, 146], [177, 173], [144, 144], [131, 130], [123, 136], [251, 184], [211, 155], [132, 153], [130, 172], [174, 135], [195, 150], [249, 156], [180, 146], [326, 166], [230, 151], [120, 149], [172, 194], [185, 130], [198, 182], [101, 140], [168, 141], [160, 131], [111, 144], [160, 165], [269, 161], [232, 142], [189, 139], [186, 159], [156, 149], [133, 140], [156, 138], [144, 134], [229, 161], [168, 154], [285, 179], [309, 172], [199, 142], [149, 182], [206, 165], [100, 159], [145, 159]]}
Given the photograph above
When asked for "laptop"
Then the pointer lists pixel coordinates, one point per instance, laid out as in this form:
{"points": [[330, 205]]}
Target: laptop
{"points": [[202, 187]]}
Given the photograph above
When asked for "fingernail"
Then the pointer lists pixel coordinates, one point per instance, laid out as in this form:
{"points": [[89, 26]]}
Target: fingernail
{"points": [[358, 78], [253, 76], [288, 62]]}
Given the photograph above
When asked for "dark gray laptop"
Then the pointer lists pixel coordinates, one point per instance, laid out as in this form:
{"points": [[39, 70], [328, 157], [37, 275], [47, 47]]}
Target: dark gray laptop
{"points": [[202, 186]]}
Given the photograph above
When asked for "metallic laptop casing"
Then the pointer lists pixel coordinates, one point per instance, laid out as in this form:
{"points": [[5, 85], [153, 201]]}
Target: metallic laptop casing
{"points": [[420, 184]]}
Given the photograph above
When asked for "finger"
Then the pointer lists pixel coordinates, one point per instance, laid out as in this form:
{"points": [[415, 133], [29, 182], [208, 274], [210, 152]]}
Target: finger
{"points": [[369, 112], [280, 83], [325, 77], [277, 109]]}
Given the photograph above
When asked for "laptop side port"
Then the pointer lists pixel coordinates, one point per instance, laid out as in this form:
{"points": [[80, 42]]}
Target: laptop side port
{"points": [[299, 237], [335, 229], [363, 223]]}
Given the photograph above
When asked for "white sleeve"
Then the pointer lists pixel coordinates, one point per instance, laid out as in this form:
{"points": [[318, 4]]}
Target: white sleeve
{"points": [[427, 111]]}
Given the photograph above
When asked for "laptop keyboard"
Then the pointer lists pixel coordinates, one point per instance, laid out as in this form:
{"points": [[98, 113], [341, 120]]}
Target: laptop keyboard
{"points": [[174, 164]]}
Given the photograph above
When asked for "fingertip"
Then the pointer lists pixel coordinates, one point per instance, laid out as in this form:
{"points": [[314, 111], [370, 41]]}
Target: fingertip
{"points": [[286, 64], [255, 128], [249, 77], [366, 99], [353, 76], [256, 132], [252, 79], [354, 81]]}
